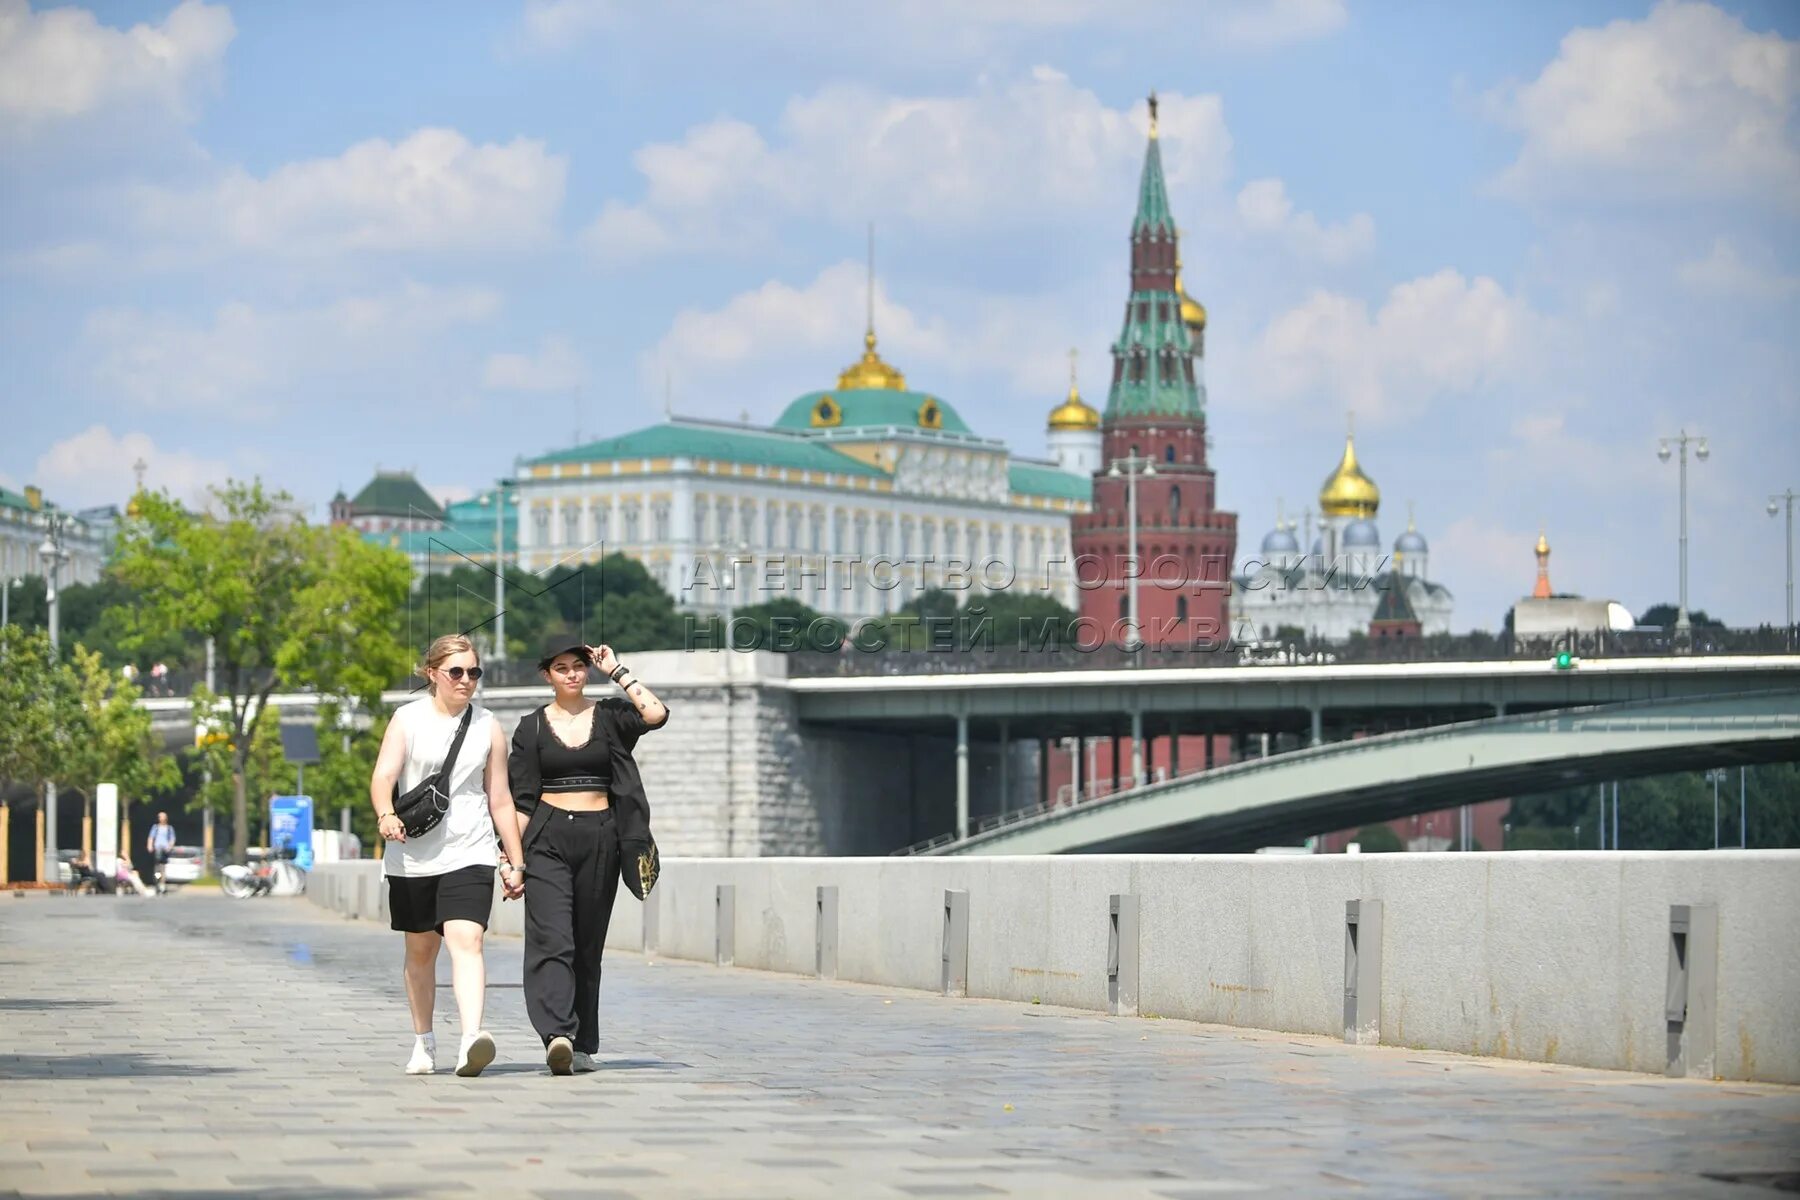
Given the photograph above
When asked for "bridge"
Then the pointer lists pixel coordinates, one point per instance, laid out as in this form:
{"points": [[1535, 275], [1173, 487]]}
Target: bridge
{"points": [[1290, 796], [872, 763]]}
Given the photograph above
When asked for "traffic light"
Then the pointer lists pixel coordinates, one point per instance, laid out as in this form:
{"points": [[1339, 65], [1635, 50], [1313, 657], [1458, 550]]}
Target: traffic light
{"points": [[1564, 661]]}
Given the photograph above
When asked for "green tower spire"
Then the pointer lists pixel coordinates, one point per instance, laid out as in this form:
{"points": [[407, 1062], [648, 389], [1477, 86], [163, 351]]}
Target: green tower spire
{"points": [[1154, 369]]}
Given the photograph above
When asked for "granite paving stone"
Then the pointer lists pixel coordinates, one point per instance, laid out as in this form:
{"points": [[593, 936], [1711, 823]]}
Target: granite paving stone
{"points": [[262, 1055]]}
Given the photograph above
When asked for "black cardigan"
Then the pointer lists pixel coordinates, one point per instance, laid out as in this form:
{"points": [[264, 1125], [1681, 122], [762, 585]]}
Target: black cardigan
{"points": [[621, 724]]}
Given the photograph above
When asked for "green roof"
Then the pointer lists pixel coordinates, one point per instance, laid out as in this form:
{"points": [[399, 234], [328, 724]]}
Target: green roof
{"points": [[395, 494], [869, 407], [1033, 479], [12, 499], [1153, 193], [473, 515], [682, 439]]}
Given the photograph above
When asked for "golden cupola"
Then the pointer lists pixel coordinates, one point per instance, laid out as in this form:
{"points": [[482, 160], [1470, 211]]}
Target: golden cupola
{"points": [[1348, 492], [869, 371], [1074, 413], [1193, 313]]}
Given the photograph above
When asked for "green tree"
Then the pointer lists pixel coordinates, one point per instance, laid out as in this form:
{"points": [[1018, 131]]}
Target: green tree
{"points": [[340, 779], [260, 770], [111, 738], [1379, 839], [285, 604], [1663, 616], [28, 741]]}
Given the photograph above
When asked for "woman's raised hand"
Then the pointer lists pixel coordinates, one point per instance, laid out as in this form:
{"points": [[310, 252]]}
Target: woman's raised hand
{"points": [[604, 658]]}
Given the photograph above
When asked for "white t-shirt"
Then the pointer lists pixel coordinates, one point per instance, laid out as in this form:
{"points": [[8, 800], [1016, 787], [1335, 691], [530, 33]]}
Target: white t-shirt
{"points": [[465, 837]]}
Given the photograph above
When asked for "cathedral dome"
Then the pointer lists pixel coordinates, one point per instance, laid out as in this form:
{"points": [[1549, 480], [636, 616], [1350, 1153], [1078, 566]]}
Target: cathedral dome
{"points": [[1361, 534], [1280, 540], [1348, 492], [1074, 413], [1411, 542]]}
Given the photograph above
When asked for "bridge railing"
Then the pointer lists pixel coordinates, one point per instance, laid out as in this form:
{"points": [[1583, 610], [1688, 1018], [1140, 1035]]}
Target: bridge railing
{"points": [[985, 659], [1476, 647]]}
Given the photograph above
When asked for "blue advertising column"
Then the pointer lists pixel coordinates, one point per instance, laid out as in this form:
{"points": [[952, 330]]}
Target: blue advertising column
{"points": [[292, 819]]}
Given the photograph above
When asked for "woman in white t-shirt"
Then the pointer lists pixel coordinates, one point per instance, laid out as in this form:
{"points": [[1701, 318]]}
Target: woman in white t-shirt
{"points": [[441, 883]]}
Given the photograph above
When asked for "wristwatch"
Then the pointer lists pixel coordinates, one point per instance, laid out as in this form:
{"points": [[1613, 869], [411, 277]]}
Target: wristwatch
{"points": [[619, 670]]}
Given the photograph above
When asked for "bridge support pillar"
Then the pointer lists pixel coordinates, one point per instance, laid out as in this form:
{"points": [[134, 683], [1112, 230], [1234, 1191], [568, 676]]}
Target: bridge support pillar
{"points": [[962, 777], [1318, 725], [1005, 764], [1137, 748]]}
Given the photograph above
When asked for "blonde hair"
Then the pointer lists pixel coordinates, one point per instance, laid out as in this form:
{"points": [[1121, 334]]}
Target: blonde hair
{"points": [[441, 649]]}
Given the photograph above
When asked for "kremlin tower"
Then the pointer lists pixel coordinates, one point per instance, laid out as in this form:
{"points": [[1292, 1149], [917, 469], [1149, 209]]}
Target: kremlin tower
{"points": [[1154, 429]]}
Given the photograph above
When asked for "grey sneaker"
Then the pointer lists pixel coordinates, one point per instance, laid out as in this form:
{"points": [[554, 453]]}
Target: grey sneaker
{"points": [[584, 1063], [560, 1055]]}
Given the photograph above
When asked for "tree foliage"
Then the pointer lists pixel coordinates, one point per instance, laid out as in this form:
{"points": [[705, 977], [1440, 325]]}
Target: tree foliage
{"points": [[284, 603]]}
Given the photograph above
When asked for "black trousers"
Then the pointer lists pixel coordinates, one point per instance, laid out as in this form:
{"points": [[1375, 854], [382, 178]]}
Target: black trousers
{"points": [[571, 877]]}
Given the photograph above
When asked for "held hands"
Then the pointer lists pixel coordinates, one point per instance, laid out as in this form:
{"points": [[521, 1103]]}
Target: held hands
{"points": [[604, 658], [512, 881]]}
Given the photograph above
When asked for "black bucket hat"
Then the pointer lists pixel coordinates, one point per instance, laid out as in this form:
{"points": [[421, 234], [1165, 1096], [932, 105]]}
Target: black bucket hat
{"points": [[565, 642]]}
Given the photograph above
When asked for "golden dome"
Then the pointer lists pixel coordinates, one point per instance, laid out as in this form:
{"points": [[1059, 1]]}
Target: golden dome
{"points": [[1348, 492], [870, 372], [1074, 413], [1543, 546], [1193, 313]]}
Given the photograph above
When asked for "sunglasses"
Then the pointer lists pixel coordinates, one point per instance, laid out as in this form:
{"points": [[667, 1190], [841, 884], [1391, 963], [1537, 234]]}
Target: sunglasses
{"points": [[456, 673]]}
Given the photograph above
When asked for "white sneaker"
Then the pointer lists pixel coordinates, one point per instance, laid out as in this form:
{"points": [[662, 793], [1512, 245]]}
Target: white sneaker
{"points": [[420, 1063], [476, 1055], [584, 1062], [560, 1056]]}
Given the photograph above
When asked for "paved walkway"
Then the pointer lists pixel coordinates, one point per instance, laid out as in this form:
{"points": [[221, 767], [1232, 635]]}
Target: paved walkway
{"points": [[198, 1046]]}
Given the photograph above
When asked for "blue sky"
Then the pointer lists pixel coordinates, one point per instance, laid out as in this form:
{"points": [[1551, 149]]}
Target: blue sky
{"points": [[1520, 242]]}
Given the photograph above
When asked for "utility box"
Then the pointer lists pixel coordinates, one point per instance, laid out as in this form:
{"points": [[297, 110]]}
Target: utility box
{"points": [[1122, 954]]}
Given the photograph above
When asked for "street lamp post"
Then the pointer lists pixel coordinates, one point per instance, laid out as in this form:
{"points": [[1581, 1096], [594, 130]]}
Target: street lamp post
{"points": [[6, 588], [1132, 467], [53, 556], [500, 497], [735, 559], [1713, 776], [1776, 503], [1663, 452]]}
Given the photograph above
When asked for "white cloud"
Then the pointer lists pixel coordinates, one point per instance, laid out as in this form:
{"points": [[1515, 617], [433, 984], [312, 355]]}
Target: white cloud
{"points": [[797, 338], [1685, 101], [96, 466], [229, 367], [1434, 335], [1724, 272], [433, 191], [62, 63], [846, 154], [556, 367], [1264, 208], [558, 24]]}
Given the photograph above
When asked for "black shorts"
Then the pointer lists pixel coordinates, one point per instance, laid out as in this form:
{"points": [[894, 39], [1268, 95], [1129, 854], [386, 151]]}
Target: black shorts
{"points": [[422, 903]]}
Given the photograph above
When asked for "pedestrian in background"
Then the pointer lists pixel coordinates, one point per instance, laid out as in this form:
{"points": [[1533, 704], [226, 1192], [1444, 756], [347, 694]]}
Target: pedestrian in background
{"points": [[584, 818], [161, 844], [441, 881]]}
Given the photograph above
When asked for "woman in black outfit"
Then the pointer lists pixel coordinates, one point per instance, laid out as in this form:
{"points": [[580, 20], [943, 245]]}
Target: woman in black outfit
{"points": [[581, 812]]}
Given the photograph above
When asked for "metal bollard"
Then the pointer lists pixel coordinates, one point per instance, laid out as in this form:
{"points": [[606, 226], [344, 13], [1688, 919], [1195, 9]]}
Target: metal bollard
{"points": [[725, 925], [653, 922], [1122, 955], [956, 943], [1362, 972], [825, 933], [1691, 998]]}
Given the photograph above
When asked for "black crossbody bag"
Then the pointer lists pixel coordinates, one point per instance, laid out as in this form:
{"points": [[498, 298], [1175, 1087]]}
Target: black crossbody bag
{"points": [[421, 809]]}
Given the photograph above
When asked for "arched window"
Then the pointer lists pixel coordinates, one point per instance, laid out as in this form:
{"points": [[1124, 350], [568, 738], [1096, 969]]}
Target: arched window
{"points": [[1181, 608], [1169, 452], [1124, 607], [1174, 505]]}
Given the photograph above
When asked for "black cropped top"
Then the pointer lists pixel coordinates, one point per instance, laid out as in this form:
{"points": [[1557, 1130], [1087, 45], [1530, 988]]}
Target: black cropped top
{"points": [[583, 768]]}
